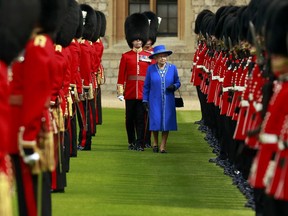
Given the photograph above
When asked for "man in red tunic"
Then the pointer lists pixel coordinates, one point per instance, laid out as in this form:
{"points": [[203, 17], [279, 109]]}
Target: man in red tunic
{"points": [[22, 16], [31, 139], [131, 76], [86, 71]]}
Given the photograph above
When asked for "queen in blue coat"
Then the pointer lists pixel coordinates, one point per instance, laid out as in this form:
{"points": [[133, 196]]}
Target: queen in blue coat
{"points": [[158, 96]]}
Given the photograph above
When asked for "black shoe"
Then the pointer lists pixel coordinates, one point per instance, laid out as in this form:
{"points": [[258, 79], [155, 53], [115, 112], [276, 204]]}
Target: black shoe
{"points": [[140, 148], [155, 149], [148, 145], [213, 160], [131, 146], [80, 148], [57, 190], [163, 151], [198, 122]]}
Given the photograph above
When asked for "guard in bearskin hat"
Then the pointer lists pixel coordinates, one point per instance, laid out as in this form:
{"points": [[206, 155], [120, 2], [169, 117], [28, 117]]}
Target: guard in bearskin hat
{"points": [[76, 29], [13, 37], [22, 16], [99, 48], [76, 82], [31, 135], [95, 66], [87, 71], [61, 101], [131, 76], [269, 170]]}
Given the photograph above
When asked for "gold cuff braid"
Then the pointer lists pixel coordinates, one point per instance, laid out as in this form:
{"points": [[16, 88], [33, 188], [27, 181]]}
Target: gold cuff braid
{"points": [[120, 89]]}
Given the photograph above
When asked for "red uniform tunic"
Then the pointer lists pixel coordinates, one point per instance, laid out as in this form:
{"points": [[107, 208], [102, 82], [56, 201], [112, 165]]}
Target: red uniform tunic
{"points": [[239, 133], [240, 88], [86, 63], [198, 68], [32, 89], [99, 48], [99, 79], [227, 86], [4, 107], [214, 78], [30, 92], [132, 72], [278, 175], [75, 51], [271, 129], [280, 181]]}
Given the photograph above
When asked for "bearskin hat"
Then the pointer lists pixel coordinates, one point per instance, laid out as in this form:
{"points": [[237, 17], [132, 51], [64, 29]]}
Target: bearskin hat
{"points": [[277, 28], [69, 24], [220, 11], [96, 34], [17, 20], [89, 21], [199, 19], [136, 27], [260, 16], [52, 12], [153, 25], [227, 12], [103, 24], [80, 26], [207, 25], [243, 23], [230, 30]]}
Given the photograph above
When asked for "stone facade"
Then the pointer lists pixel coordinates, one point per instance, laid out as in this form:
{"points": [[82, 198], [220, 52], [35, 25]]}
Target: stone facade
{"points": [[182, 46]]}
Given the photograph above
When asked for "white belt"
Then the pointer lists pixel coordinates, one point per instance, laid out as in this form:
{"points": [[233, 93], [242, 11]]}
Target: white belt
{"points": [[268, 138], [244, 103]]}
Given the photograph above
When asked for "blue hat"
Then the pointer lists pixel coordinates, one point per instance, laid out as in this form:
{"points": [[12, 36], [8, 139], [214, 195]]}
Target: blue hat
{"points": [[159, 50]]}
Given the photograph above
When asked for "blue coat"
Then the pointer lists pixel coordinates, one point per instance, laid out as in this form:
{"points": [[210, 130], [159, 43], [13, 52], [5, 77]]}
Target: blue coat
{"points": [[162, 111]]}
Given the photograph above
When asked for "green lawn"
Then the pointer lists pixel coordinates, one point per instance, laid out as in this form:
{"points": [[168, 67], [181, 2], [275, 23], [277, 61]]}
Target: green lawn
{"points": [[111, 180]]}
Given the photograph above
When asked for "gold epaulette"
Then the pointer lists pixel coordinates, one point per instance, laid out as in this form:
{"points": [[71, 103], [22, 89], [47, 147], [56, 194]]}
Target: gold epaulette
{"points": [[98, 40], [73, 41], [82, 41], [40, 40], [58, 48], [90, 42]]}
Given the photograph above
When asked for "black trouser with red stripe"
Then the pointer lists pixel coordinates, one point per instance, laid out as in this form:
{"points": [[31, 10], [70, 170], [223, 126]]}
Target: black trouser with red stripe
{"points": [[27, 189], [135, 118], [85, 137]]}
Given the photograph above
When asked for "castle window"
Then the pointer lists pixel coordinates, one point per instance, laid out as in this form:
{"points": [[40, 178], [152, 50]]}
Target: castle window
{"points": [[166, 9]]}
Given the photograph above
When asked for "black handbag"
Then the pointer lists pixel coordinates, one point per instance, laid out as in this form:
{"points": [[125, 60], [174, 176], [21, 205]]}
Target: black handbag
{"points": [[179, 100]]}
